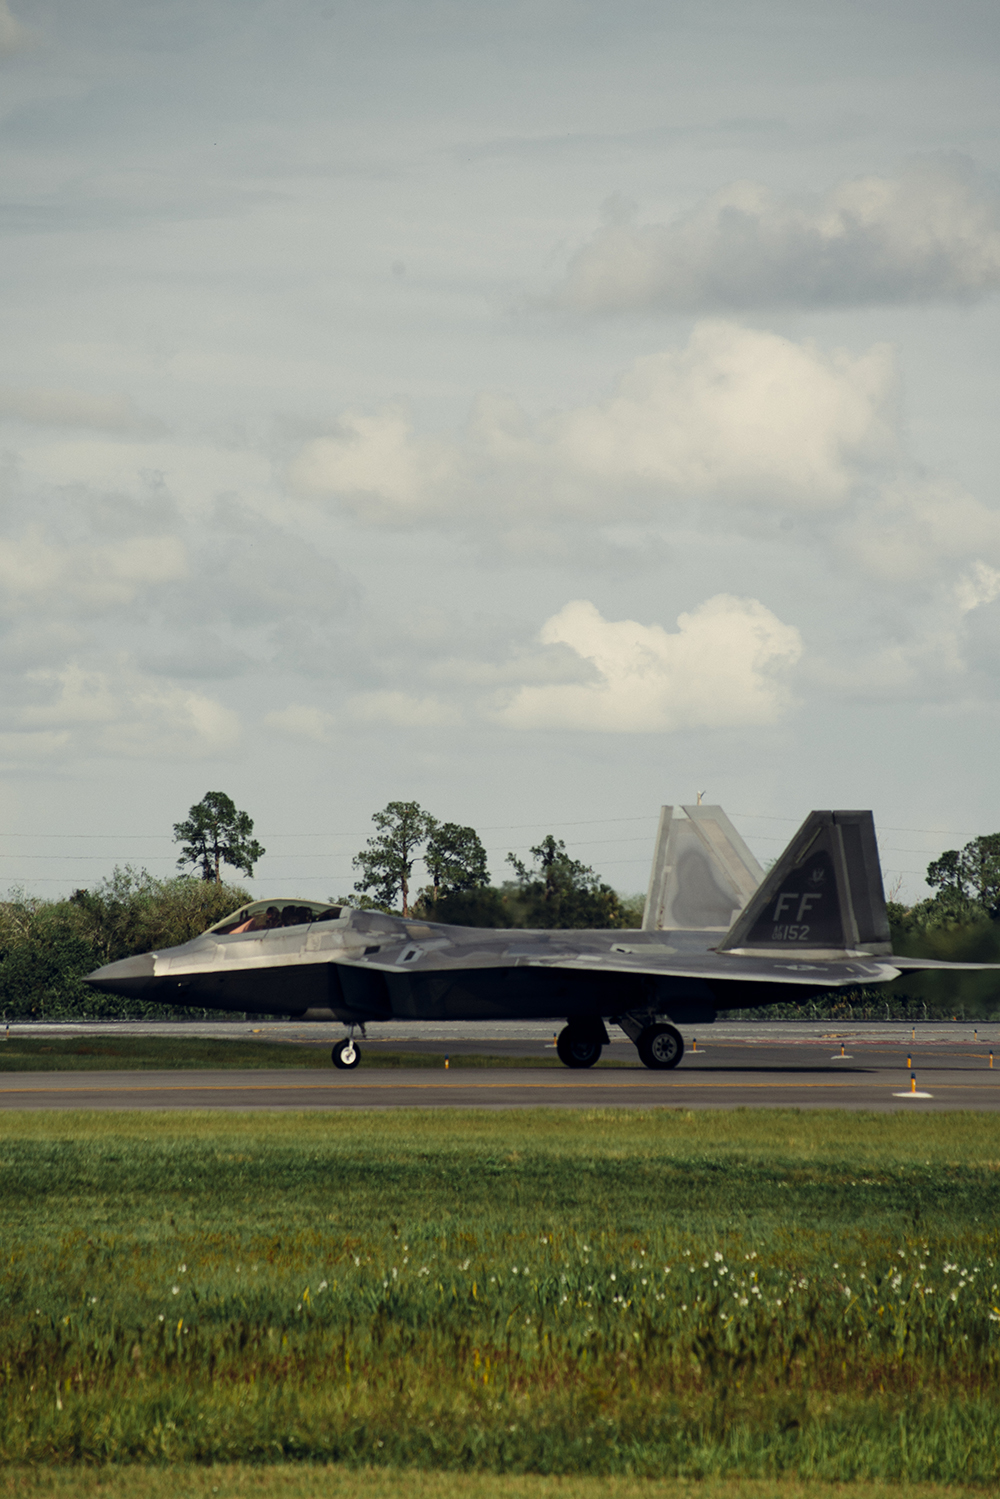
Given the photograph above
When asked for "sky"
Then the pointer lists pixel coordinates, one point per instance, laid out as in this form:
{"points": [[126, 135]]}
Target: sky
{"points": [[542, 412]]}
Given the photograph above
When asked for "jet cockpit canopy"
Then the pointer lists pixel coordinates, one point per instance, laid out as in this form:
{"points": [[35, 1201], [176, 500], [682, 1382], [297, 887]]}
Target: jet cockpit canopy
{"points": [[264, 915]]}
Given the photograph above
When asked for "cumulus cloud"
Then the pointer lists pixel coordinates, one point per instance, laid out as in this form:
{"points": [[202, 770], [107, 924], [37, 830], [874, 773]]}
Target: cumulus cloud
{"points": [[931, 234], [725, 666], [379, 463], [737, 414]]}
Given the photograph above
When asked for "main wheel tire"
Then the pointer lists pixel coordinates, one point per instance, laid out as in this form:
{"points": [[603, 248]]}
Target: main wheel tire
{"points": [[345, 1054], [578, 1048], [660, 1046]]}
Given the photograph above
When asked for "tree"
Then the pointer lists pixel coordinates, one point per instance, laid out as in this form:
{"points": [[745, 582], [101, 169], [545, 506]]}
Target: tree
{"points": [[216, 833], [455, 859], [386, 861], [562, 892], [130, 911], [46, 947], [969, 877], [484, 906]]}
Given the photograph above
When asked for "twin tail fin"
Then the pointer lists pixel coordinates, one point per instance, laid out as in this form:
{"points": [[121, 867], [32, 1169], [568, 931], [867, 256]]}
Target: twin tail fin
{"points": [[823, 897], [703, 874]]}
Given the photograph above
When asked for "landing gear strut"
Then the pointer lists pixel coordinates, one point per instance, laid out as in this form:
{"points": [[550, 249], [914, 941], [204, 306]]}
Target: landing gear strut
{"points": [[579, 1046]]}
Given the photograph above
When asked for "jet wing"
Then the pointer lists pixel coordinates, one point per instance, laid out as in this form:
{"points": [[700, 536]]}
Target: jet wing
{"points": [[929, 965], [656, 960]]}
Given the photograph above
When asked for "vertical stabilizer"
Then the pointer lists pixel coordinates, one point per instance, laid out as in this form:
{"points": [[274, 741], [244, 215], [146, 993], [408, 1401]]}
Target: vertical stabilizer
{"points": [[703, 874], [824, 895]]}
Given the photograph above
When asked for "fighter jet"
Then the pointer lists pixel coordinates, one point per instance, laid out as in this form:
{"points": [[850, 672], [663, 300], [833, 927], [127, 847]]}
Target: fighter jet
{"points": [[717, 934]]}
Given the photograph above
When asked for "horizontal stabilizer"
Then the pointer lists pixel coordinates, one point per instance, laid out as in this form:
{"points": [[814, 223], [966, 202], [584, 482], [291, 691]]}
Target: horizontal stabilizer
{"points": [[824, 895], [703, 874]]}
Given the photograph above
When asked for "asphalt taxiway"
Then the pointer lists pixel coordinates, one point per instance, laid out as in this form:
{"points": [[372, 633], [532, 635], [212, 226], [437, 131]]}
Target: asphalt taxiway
{"points": [[737, 1065]]}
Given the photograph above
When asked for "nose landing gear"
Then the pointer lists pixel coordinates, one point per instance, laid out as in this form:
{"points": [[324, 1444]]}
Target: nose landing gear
{"points": [[345, 1054]]}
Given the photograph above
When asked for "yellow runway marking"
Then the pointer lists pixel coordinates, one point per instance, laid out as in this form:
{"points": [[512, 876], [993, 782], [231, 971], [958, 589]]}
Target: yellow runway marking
{"points": [[644, 1084]]}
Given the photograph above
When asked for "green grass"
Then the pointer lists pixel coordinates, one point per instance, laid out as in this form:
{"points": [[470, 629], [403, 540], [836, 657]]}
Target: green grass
{"points": [[324, 1481], [143, 1053], [471, 1292]]}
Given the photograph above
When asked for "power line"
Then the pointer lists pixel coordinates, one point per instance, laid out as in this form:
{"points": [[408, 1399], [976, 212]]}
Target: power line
{"points": [[491, 828]]}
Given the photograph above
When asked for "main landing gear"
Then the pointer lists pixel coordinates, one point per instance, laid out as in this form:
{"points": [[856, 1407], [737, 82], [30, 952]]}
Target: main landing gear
{"points": [[580, 1045], [347, 1054], [660, 1046]]}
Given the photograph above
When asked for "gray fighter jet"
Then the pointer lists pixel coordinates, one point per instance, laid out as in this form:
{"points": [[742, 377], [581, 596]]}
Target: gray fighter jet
{"points": [[717, 934]]}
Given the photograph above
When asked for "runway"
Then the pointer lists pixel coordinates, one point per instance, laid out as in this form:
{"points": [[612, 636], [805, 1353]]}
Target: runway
{"points": [[801, 1069]]}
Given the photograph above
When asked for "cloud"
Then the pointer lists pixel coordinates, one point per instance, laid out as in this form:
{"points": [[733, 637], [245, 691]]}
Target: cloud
{"points": [[376, 462], [13, 36], [931, 234], [726, 666], [37, 569], [122, 712], [299, 721], [738, 414], [925, 645], [980, 585], [74, 408], [197, 593], [916, 529], [735, 431]]}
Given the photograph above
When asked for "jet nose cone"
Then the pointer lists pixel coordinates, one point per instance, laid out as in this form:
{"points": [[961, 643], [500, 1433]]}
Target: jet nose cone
{"points": [[130, 976]]}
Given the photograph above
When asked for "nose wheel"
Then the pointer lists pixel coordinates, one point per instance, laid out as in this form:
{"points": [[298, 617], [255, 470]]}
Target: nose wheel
{"points": [[346, 1054]]}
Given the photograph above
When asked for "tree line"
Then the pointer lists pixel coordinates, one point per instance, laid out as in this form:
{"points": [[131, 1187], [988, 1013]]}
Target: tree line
{"points": [[553, 890], [960, 923], [46, 946]]}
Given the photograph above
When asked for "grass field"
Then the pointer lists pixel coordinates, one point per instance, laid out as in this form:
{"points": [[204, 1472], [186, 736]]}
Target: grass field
{"points": [[144, 1053], [631, 1293], [323, 1481]]}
